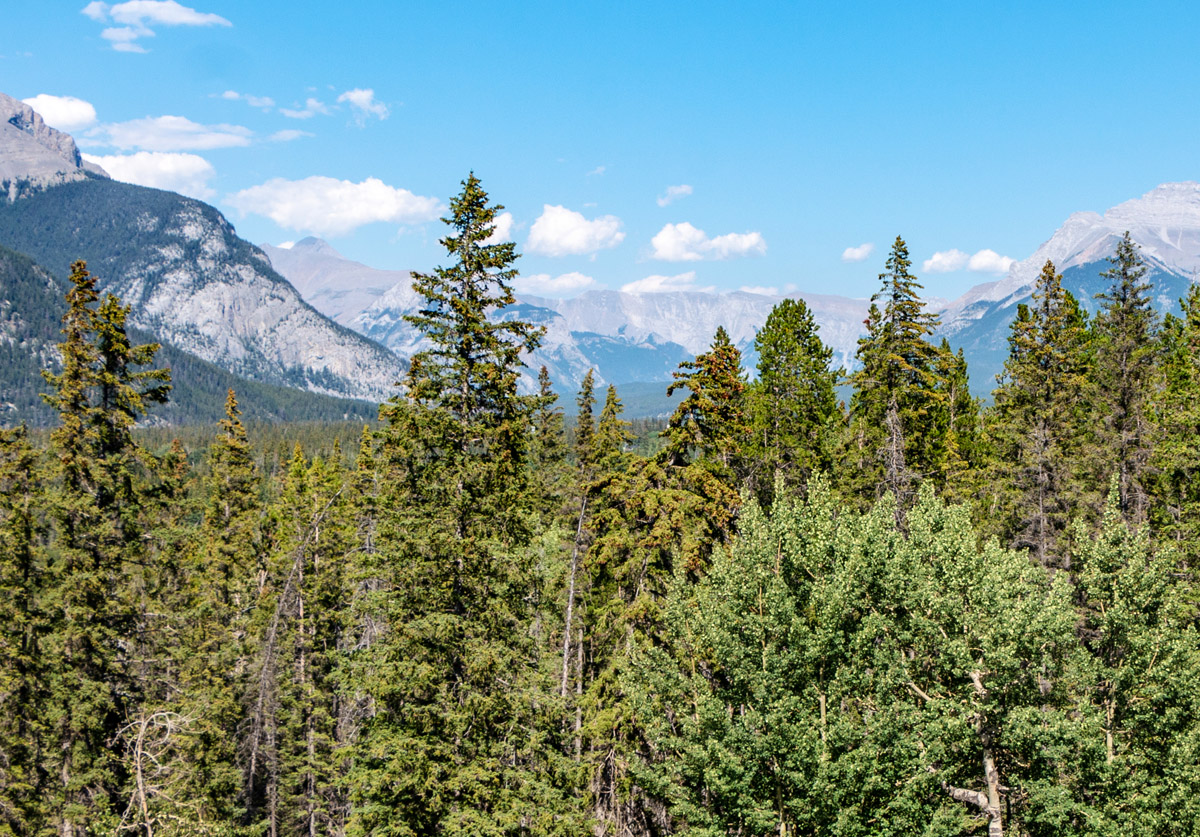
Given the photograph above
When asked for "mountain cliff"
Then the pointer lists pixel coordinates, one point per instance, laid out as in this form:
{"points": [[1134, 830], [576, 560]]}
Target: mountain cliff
{"points": [[194, 284], [33, 155]]}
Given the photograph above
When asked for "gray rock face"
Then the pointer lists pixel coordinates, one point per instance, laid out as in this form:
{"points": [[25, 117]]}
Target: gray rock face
{"points": [[33, 155]]}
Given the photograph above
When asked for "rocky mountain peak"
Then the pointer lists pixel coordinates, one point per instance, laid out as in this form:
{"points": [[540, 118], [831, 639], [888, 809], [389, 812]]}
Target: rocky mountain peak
{"points": [[318, 246], [1165, 222], [32, 154]]}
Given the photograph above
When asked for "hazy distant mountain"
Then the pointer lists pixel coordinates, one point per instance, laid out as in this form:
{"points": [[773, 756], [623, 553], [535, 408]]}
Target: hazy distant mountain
{"points": [[33, 155], [336, 286], [625, 337], [1165, 222]]}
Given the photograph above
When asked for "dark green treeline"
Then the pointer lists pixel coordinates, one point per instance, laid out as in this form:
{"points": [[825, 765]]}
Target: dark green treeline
{"points": [[905, 615]]}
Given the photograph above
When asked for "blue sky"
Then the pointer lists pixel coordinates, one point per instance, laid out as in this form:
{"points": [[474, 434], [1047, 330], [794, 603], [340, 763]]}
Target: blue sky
{"points": [[643, 145]]}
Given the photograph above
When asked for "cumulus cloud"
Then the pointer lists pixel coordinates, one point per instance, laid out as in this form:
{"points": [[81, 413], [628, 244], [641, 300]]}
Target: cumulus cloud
{"points": [[135, 19], [263, 102], [989, 261], [311, 108], [559, 231], [362, 102], [66, 113], [187, 174], [985, 261], [761, 290], [501, 229], [858, 254], [544, 283], [674, 193], [665, 284], [685, 243], [330, 207], [169, 133], [946, 261]]}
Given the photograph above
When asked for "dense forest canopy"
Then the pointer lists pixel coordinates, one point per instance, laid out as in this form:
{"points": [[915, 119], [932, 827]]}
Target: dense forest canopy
{"points": [[787, 615]]}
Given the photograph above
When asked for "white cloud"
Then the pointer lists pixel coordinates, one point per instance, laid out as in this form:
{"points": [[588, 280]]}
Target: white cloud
{"points": [[544, 283], [169, 133], [674, 193], [946, 261], [330, 207], [136, 17], [665, 284], [599, 170], [762, 290], [66, 113], [858, 254], [311, 108], [286, 245], [501, 229], [288, 134], [559, 231], [362, 102], [187, 174], [685, 243], [985, 261], [263, 102], [989, 261]]}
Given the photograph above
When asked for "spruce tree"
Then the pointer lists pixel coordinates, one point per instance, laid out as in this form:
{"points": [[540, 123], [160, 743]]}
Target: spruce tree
{"points": [[897, 429], [96, 505], [1126, 352], [448, 749], [1037, 425], [710, 423], [793, 406], [24, 784]]}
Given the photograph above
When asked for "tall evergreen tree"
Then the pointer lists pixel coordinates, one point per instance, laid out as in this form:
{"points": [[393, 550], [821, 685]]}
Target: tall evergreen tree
{"points": [[23, 624], [1037, 425], [710, 423], [1126, 352], [793, 406], [1175, 463], [448, 749], [897, 428], [97, 514]]}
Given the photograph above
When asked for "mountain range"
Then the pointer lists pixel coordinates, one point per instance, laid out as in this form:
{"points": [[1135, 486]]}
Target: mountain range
{"points": [[306, 320]]}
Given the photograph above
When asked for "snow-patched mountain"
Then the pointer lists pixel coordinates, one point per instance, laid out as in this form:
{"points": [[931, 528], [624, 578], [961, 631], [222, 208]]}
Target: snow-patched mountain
{"points": [[624, 337], [336, 286], [193, 283], [1165, 223], [33, 155]]}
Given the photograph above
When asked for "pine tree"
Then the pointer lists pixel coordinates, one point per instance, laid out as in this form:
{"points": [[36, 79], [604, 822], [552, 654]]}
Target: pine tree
{"points": [[793, 406], [1036, 428], [23, 624], [585, 422], [612, 435], [1126, 352], [448, 749], [1175, 463], [96, 510], [897, 428], [710, 424]]}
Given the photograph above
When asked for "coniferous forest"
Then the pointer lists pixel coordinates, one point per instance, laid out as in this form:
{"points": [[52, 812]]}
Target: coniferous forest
{"points": [[903, 614]]}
